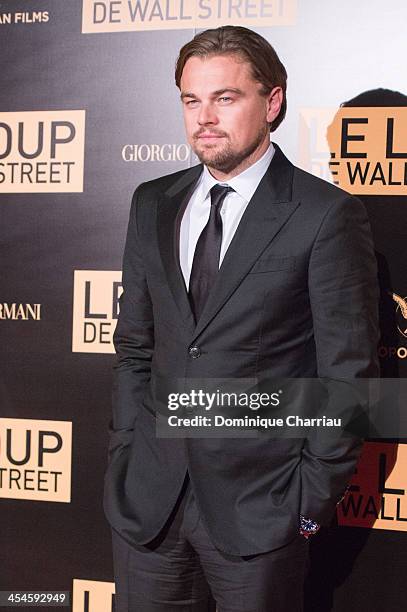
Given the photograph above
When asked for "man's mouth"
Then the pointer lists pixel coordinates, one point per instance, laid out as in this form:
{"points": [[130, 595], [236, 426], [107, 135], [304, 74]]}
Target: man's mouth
{"points": [[209, 136]]}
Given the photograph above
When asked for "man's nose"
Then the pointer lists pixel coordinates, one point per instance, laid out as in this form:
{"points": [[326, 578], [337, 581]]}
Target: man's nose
{"points": [[207, 114]]}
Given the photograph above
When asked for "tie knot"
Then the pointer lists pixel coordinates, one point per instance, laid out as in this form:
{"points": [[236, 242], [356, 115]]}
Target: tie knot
{"points": [[218, 193]]}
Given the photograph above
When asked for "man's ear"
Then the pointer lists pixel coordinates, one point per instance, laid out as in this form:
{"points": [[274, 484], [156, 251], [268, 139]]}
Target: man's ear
{"points": [[274, 101]]}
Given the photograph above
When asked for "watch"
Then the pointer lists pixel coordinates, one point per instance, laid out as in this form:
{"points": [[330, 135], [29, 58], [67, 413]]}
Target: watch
{"points": [[308, 527]]}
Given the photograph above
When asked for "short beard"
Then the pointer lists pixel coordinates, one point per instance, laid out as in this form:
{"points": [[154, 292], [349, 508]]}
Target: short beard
{"points": [[227, 160]]}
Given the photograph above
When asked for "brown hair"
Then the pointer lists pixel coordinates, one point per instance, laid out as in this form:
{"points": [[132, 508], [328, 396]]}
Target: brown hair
{"points": [[265, 64]]}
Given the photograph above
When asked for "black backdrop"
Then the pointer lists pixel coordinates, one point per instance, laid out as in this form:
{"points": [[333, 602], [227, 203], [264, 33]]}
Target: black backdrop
{"points": [[124, 84]]}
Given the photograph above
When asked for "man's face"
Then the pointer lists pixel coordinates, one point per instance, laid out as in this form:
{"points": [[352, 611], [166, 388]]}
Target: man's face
{"points": [[226, 118]]}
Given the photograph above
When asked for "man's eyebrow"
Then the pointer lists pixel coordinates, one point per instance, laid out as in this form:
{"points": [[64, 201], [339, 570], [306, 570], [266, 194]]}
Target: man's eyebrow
{"points": [[214, 94]]}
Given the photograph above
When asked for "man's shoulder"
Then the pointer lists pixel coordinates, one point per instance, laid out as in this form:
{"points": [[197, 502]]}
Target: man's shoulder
{"points": [[164, 183], [321, 199], [307, 186], [316, 194]]}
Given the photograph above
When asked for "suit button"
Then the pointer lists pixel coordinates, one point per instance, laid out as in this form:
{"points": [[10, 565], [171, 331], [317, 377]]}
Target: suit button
{"points": [[194, 352]]}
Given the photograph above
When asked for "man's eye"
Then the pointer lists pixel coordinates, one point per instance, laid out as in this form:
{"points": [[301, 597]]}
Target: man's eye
{"points": [[225, 98], [189, 102]]}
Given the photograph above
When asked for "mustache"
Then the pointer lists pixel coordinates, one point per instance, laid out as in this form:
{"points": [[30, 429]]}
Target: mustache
{"points": [[204, 131]]}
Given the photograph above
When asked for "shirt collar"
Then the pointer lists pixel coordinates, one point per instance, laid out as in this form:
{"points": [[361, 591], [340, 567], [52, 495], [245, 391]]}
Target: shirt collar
{"points": [[245, 183]]}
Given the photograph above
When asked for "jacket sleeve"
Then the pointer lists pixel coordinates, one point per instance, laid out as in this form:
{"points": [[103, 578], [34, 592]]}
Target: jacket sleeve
{"points": [[134, 335], [344, 294]]}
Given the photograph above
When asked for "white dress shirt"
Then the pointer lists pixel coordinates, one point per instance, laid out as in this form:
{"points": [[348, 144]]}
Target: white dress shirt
{"points": [[196, 214]]}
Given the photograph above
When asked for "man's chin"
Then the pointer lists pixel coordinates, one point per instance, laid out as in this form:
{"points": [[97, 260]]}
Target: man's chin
{"points": [[209, 152], [214, 158], [218, 162], [206, 158]]}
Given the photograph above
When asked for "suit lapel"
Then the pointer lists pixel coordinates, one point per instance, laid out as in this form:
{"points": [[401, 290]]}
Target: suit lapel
{"points": [[268, 210], [171, 207]]}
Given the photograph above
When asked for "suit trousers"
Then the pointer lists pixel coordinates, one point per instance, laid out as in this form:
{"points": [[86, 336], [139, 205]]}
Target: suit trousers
{"points": [[182, 571]]}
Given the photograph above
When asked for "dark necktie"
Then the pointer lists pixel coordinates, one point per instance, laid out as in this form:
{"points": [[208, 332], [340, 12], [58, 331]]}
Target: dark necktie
{"points": [[205, 264]]}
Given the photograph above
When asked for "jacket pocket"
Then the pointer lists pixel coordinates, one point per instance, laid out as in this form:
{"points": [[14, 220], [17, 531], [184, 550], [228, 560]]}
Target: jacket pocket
{"points": [[270, 263]]}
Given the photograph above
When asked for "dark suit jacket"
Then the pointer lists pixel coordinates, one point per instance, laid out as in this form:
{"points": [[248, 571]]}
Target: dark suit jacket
{"points": [[296, 296]]}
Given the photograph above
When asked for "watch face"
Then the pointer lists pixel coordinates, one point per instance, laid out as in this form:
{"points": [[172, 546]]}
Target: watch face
{"points": [[308, 525]]}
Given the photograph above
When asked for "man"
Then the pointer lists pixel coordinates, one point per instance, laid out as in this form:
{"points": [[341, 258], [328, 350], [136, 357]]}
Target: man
{"points": [[242, 266]]}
